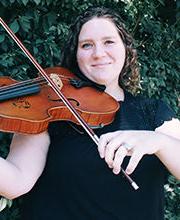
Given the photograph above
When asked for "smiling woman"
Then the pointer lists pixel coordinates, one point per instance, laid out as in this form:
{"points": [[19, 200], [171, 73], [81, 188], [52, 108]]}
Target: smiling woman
{"points": [[62, 167]]}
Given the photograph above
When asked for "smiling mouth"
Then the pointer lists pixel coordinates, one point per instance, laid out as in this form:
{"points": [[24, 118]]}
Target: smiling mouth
{"points": [[100, 64]]}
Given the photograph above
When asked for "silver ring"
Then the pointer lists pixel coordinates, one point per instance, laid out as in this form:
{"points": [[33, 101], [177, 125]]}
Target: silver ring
{"points": [[127, 146]]}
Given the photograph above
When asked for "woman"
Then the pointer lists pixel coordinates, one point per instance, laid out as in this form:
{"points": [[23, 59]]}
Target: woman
{"points": [[77, 183]]}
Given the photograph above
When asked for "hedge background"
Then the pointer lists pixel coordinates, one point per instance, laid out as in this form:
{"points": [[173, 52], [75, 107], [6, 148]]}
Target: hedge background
{"points": [[43, 25]]}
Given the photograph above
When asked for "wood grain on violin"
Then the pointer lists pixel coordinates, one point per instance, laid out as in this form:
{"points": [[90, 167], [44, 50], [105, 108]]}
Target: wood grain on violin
{"points": [[29, 106]]}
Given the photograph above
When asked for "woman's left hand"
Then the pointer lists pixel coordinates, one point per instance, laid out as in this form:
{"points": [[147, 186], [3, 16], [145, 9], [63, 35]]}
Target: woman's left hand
{"points": [[115, 146]]}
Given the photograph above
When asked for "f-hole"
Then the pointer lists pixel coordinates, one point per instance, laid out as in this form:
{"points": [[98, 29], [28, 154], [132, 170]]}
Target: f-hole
{"points": [[69, 99]]}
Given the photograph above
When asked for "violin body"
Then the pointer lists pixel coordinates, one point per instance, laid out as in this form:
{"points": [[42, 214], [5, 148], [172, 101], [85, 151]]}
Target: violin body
{"points": [[33, 112]]}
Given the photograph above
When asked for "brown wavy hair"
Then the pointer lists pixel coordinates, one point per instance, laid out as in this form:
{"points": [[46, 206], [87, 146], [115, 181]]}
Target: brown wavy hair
{"points": [[129, 78]]}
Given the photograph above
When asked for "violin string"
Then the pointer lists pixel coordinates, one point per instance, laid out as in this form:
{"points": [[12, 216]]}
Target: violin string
{"points": [[16, 85], [29, 82], [25, 85], [19, 87]]}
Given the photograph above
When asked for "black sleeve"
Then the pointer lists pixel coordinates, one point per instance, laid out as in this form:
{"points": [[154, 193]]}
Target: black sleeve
{"points": [[155, 112], [162, 113]]}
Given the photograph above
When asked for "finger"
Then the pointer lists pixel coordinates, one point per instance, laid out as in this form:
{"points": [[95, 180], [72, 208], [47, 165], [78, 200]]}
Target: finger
{"points": [[103, 141], [133, 162], [118, 159], [110, 149]]}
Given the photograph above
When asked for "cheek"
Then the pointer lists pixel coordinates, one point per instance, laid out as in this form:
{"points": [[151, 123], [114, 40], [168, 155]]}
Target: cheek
{"points": [[120, 58], [120, 53], [82, 58]]}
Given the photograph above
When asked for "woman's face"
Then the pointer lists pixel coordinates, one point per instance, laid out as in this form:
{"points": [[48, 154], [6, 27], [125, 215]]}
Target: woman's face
{"points": [[101, 52]]}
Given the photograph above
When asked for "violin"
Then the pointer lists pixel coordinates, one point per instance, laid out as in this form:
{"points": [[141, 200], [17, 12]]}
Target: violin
{"points": [[52, 110], [29, 106]]}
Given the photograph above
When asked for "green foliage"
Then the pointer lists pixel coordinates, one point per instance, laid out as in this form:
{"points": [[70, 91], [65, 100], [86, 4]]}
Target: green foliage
{"points": [[172, 199], [43, 25]]}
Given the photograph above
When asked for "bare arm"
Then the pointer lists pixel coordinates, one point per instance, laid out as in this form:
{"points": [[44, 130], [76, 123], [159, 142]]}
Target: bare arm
{"points": [[24, 164], [164, 142], [169, 153]]}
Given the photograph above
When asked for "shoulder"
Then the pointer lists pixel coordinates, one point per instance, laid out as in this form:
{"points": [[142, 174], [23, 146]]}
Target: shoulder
{"points": [[155, 111], [139, 100]]}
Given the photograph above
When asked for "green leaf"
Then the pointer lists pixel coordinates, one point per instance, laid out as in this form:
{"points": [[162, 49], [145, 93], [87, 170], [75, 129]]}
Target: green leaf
{"points": [[2, 37], [14, 26], [37, 2], [35, 50], [5, 202], [162, 2], [25, 2], [25, 23]]}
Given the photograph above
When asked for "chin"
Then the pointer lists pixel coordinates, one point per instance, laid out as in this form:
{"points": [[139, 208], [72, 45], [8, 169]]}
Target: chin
{"points": [[100, 81]]}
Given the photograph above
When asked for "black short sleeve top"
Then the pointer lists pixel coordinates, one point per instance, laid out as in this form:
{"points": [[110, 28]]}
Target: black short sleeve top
{"points": [[78, 185]]}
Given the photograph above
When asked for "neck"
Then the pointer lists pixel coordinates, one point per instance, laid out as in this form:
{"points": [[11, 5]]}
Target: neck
{"points": [[117, 93]]}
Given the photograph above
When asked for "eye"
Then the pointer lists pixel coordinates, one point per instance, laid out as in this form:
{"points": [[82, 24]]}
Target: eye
{"points": [[109, 42], [86, 45]]}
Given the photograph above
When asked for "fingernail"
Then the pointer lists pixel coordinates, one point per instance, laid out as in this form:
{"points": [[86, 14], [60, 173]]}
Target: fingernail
{"points": [[101, 155], [110, 166], [115, 171], [128, 171]]}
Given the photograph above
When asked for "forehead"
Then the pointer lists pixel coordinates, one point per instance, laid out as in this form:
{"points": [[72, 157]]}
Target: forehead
{"points": [[98, 27]]}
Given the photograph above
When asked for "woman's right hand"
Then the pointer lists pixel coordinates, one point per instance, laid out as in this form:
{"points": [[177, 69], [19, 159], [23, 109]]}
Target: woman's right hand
{"points": [[24, 164]]}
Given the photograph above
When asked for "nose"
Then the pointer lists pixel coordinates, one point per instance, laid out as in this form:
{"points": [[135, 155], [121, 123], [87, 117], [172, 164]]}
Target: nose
{"points": [[99, 51]]}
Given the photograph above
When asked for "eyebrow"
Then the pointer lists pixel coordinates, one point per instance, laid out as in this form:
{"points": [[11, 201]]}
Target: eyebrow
{"points": [[104, 38]]}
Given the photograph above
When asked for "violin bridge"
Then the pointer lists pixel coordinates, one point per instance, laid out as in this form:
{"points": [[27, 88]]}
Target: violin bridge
{"points": [[56, 79]]}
